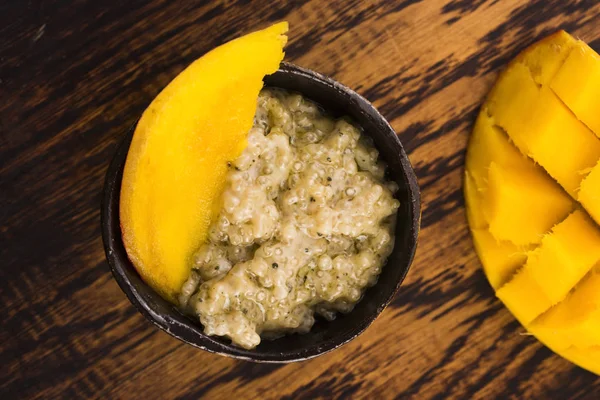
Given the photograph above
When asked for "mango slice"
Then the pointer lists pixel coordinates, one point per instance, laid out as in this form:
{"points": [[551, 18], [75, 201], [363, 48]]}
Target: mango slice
{"points": [[589, 193], [551, 271], [577, 84], [543, 128], [546, 57], [499, 259], [575, 322], [489, 144], [473, 202], [177, 161], [521, 205]]}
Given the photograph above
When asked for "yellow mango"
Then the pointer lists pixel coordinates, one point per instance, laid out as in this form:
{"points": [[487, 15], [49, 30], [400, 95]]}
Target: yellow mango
{"points": [[543, 128], [523, 296], [512, 102], [522, 205], [577, 84], [585, 357], [545, 57], [499, 259], [176, 165], [473, 203], [489, 144], [588, 358], [542, 114], [552, 270], [589, 193], [563, 145], [574, 322]]}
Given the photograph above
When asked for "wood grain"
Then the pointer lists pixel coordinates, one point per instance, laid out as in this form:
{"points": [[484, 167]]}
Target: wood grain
{"points": [[74, 77]]}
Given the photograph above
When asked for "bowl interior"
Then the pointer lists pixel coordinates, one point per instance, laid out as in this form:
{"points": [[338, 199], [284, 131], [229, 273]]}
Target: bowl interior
{"points": [[324, 336]]}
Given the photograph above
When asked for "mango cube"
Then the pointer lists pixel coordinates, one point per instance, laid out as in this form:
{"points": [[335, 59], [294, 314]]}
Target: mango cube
{"points": [[522, 205], [577, 84], [574, 322], [523, 296], [545, 57], [511, 103], [489, 144], [552, 270], [589, 193], [543, 127], [499, 259]]}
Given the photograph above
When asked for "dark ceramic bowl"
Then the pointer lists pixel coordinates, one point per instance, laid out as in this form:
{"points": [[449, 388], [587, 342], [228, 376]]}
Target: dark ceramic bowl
{"points": [[324, 336]]}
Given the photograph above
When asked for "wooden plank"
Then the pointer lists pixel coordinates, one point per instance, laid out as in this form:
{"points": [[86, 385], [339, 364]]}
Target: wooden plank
{"points": [[74, 77]]}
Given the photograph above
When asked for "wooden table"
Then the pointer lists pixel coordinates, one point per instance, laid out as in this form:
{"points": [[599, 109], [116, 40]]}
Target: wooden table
{"points": [[74, 77]]}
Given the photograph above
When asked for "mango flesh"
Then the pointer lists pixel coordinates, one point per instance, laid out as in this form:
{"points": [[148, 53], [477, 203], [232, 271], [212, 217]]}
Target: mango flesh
{"points": [[589, 193], [499, 259], [473, 202], [544, 105], [552, 270], [521, 205], [177, 161], [577, 84], [588, 358], [546, 57], [543, 128], [489, 144], [575, 322]]}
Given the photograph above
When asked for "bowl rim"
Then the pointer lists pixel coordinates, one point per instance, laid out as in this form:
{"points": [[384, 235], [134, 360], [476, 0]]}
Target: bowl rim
{"points": [[177, 329]]}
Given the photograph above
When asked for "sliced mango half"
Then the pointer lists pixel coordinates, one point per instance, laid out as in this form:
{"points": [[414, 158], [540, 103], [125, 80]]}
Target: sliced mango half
{"points": [[177, 161], [533, 154]]}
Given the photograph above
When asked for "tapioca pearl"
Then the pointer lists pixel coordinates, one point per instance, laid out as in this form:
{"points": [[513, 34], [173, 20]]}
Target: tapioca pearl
{"points": [[267, 250], [261, 295], [204, 255], [288, 233], [350, 192], [298, 166], [293, 180], [345, 228], [354, 294], [374, 193], [325, 263], [382, 239], [305, 156], [294, 102], [349, 165], [230, 203], [392, 187], [236, 239], [325, 216], [365, 259]]}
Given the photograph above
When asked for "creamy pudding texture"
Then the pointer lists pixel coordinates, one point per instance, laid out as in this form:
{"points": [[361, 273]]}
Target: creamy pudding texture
{"points": [[306, 224]]}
